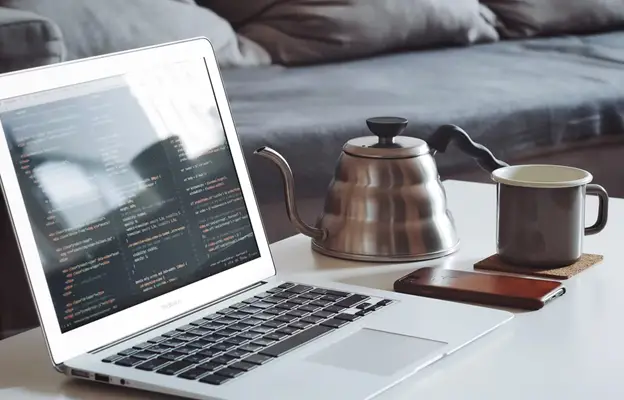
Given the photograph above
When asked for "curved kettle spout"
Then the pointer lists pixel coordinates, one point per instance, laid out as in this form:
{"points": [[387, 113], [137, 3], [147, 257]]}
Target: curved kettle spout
{"points": [[446, 134], [289, 189]]}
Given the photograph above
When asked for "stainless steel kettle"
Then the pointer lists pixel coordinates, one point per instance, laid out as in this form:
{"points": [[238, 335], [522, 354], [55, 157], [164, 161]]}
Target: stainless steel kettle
{"points": [[386, 201]]}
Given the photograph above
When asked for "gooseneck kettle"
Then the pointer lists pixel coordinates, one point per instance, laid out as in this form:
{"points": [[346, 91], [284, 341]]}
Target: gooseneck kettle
{"points": [[386, 202]]}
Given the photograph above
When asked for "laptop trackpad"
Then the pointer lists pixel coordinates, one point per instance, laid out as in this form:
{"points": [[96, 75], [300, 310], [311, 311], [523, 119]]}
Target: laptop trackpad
{"points": [[376, 352]]}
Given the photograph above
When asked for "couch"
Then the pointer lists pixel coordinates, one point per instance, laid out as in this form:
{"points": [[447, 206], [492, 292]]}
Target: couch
{"points": [[533, 80]]}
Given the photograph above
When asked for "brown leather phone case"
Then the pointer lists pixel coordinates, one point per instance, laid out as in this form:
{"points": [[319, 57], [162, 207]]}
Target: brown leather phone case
{"points": [[475, 287]]}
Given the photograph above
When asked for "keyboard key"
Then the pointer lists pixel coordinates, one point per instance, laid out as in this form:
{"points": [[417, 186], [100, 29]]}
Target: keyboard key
{"points": [[192, 374], [112, 358], [250, 335], [297, 313], [199, 322], [309, 308], [321, 303], [346, 317], [212, 316], [200, 344], [384, 302], [250, 310], [172, 356], [284, 295], [251, 321], [262, 305], [222, 346], [334, 323], [185, 328], [275, 311], [171, 334], [210, 352], [250, 300], [288, 330], [145, 355], [187, 337], [229, 372], [363, 306], [243, 366], [288, 305], [334, 309], [159, 349], [286, 285], [226, 332], [238, 315], [323, 314], [238, 327], [236, 340], [174, 368], [209, 366], [337, 293], [258, 359], [299, 301], [250, 347], [226, 320], [237, 353], [263, 342], [262, 295], [214, 379], [300, 324], [270, 325], [198, 332], [310, 295], [196, 358], [226, 311], [295, 341], [128, 361], [213, 326], [157, 339], [173, 343], [299, 289], [239, 305], [186, 350], [152, 364], [362, 313], [285, 318], [263, 316], [276, 335], [318, 291], [273, 300], [312, 319], [352, 300], [128, 352], [223, 359], [142, 346], [212, 338]]}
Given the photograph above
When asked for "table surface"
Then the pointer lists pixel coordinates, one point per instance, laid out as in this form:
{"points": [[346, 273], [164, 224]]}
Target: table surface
{"points": [[571, 349]]}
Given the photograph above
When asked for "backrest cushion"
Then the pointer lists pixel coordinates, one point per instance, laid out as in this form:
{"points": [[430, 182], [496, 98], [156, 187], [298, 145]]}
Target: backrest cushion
{"points": [[310, 31], [95, 27], [528, 18]]}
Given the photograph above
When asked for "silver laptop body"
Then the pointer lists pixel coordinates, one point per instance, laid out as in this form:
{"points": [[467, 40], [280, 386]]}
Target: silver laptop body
{"points": [[146, 255]]}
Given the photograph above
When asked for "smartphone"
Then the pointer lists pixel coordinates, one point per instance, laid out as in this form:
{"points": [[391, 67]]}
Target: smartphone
{"points": [[482, 288]]}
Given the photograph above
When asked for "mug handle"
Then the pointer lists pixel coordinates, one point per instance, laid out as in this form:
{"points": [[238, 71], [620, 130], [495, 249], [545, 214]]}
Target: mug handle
{"points": [[603, 209]]}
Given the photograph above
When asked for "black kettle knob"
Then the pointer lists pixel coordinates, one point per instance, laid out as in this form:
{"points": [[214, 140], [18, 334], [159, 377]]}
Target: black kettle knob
{"points": [[386, 128]]}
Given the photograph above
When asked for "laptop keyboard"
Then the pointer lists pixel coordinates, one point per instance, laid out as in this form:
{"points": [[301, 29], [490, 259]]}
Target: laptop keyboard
{"points": [[224, 345]]}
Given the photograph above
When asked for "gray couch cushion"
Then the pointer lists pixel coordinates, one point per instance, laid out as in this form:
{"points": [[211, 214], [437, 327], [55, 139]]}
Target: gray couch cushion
{"points": [[312, 31], [526, 18], [516, 96], [95, 27], [28, 40]]}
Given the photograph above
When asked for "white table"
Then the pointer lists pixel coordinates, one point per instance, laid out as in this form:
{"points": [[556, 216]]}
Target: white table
{"points": [[572, 349]]}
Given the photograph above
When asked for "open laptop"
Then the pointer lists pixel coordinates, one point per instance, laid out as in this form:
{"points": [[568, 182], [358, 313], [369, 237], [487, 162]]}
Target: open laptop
{"points": [[146, 255]]}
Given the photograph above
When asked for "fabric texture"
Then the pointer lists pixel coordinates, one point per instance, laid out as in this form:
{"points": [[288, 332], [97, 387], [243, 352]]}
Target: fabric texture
{"points": [[514, 97], [95, 27], [300, 32], [28, 40], [528, 18]]}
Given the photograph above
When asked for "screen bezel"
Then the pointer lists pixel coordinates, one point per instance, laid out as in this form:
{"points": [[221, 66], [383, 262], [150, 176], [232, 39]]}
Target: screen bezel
{"points": [[64, 346]]}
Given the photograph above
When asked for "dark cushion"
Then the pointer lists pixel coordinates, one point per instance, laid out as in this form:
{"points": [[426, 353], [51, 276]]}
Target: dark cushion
{"points": [[311, 31], [95, 27], [526, 18], [28, 40]]}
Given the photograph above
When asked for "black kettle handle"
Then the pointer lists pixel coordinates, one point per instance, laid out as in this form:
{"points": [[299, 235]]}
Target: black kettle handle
{"points": [[445, 134]]}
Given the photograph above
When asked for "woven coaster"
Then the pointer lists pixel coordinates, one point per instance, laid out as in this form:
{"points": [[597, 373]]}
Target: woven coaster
{"points": [[494, 263]]}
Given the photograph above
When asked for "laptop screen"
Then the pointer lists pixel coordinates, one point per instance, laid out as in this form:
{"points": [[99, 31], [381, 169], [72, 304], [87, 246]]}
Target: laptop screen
{"points": [[130, 188]]}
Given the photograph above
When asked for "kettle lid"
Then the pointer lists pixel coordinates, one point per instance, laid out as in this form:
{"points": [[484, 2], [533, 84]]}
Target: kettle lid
{"points": [[387, 143]]}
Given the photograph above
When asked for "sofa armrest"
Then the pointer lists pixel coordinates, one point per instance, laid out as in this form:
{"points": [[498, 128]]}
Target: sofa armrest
{"points": [[28, 40]]}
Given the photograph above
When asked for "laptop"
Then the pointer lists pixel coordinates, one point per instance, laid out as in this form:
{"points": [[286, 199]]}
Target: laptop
{"points": [[145, 251]]}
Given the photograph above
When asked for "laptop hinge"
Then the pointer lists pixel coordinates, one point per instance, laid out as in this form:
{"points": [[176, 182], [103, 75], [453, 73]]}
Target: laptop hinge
{"points": [[178, 317]]}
